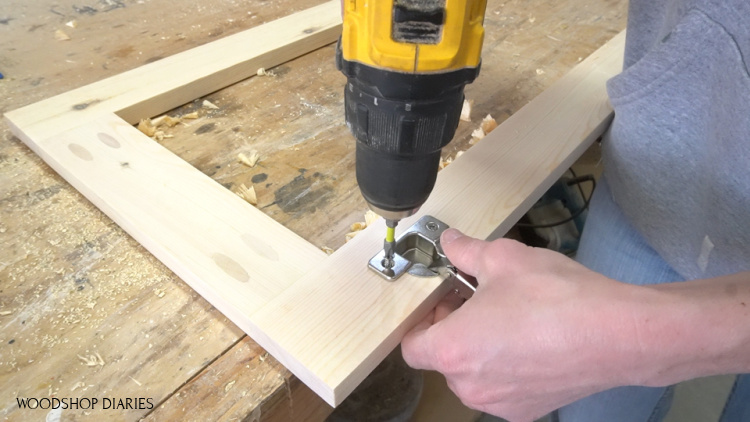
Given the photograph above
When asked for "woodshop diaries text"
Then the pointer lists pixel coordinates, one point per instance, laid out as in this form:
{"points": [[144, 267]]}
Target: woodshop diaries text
{"points": [[85, 403]]}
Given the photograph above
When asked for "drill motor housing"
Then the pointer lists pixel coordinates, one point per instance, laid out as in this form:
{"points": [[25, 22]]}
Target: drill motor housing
{"points": [[404, 93]]}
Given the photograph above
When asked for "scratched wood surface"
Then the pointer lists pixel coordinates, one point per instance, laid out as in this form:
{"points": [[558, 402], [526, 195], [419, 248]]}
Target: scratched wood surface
{"points": [[73, 285]]}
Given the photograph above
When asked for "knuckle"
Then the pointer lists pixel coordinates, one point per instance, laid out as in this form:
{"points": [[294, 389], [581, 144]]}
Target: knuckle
{"points": [[504, 255]]}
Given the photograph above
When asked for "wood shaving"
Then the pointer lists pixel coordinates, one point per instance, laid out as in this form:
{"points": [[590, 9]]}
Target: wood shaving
{"points": [[488, 124], [250, 161], [165, 120], [193, 115], [159, 293], [60, 35], [229, 386], [159, 135], [264, 72], [248, 194], [540, 71], [209, 105], [5, 313], [79, 384], [92, 360], [371, 217], [477, 135], [327, 250], [72, 24], [135, 380], [466, 110], [447, 161], [147, 127]]}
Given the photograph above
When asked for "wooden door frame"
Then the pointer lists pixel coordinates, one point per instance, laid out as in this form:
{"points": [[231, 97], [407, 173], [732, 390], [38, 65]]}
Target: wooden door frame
{"points": [[326, 318]]}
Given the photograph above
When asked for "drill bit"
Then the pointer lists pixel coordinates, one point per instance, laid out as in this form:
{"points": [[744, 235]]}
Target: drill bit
{"points": [[390, 243]]}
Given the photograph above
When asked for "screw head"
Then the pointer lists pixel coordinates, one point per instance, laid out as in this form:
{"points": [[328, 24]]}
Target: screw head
{"points": [[432, 226]]}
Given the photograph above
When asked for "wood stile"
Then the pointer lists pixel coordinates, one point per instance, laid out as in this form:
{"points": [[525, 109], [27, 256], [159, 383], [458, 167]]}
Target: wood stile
{"points": [[328, 319]]}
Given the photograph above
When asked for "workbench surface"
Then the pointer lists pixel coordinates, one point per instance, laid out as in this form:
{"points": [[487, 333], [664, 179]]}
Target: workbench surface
{"points": [[86, 312]]}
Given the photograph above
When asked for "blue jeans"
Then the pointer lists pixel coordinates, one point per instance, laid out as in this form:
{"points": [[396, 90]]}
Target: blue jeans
{"points": [[611, 246]]}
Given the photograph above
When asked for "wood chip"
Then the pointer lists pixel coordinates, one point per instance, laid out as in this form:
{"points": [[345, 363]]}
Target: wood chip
{"points": [[444, 163], [209, 105], [72, 24], [327, 250], [264, 72], [229, 386], [250, 161], [5, 313], [358, 226], [371, 217], [92, 360], [165, 120], [248, 194], [193, 115], [488, 124], [350, 235], [159, 135], [60, 35], [466, 110], [477, 135], [147, 127]]}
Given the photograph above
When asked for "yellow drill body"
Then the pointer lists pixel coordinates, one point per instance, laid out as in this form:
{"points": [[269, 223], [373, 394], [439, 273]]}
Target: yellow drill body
{"points": [[369, 28], [406, 62]]}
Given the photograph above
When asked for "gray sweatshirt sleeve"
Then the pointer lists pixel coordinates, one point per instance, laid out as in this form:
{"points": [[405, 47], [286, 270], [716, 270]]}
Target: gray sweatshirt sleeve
{"points": [[677, 156]]}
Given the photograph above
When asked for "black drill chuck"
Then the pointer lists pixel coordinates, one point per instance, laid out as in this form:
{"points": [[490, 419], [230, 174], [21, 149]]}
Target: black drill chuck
{"points": [[401, 121]]}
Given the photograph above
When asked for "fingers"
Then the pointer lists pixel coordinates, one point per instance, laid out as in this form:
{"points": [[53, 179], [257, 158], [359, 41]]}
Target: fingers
{"points": [[446, 306], [416, 347], [463, 251]]}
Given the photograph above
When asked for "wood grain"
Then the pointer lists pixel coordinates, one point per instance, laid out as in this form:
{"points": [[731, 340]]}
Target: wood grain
{"points": [[227, 250], [238, 374]]}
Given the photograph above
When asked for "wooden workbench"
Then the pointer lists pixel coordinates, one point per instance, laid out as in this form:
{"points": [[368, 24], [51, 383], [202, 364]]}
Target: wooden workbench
{"points": [[86, 312]]}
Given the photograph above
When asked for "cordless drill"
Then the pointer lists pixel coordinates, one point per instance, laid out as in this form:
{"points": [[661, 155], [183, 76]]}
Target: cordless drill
{"points": [[406, 63]]}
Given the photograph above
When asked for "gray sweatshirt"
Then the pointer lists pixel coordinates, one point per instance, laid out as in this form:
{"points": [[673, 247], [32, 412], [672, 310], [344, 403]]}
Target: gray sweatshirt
{"points": [[677, 156]]}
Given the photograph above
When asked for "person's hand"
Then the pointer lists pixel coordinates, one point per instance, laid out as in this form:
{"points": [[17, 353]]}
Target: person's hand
{"points": [[540, 332]]}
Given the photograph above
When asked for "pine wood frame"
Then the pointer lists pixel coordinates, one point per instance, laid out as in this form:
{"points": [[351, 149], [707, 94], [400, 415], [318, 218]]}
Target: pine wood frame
{"points": [[328, 319]]}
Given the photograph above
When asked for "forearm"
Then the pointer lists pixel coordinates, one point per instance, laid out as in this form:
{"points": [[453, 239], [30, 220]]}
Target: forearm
{"points": [[692, 329]]}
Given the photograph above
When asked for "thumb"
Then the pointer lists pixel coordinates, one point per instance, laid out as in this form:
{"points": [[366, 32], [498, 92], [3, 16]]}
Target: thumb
{"points": [[463, 251]]}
